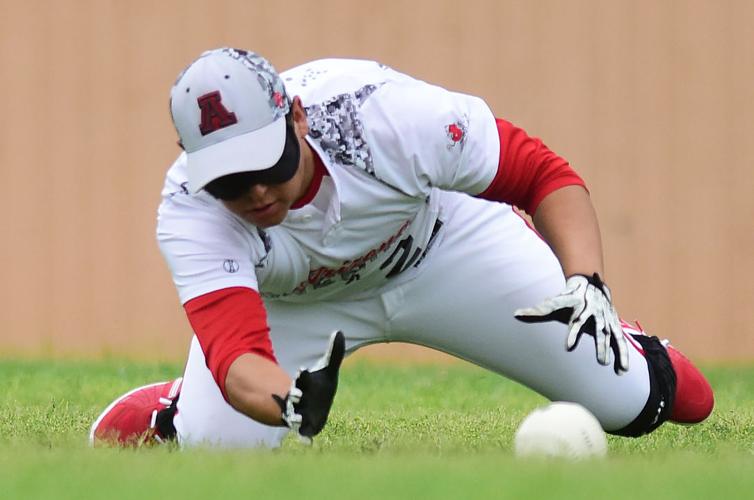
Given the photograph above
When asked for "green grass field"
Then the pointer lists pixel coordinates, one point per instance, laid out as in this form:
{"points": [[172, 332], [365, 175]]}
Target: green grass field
{"points": [[427, 431]]}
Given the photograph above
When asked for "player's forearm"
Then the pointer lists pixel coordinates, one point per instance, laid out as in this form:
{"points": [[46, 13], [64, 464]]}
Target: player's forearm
{"points": [[567, 221], [250, 384]]}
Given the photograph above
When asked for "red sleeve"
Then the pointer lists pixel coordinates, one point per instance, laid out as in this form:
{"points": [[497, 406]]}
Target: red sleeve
{"points": [[228, 323], [527, 170]]}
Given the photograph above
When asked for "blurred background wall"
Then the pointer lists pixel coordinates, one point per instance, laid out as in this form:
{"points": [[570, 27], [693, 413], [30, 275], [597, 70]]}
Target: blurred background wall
{"points": [[651, 100]]}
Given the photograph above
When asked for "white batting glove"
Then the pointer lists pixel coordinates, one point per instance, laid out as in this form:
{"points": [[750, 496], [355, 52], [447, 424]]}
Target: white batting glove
{"points": [[586, 307]]}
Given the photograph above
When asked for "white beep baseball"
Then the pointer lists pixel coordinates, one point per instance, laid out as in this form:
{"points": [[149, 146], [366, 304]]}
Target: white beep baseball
{"points": [[565, 430]]}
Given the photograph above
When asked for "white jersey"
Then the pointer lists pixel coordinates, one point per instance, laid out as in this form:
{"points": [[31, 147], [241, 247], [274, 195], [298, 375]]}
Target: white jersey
{"points": [[391, 145]]}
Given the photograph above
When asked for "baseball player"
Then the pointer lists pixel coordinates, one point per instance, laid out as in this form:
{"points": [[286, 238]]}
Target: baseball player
{"points": [[344, 196]]}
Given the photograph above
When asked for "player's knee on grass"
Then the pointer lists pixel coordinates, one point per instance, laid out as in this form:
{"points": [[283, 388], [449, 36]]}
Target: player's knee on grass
{"points": [[662, 385]]}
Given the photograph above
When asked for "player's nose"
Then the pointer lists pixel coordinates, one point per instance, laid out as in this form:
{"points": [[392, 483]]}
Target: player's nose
{"points": [[257, 191]]}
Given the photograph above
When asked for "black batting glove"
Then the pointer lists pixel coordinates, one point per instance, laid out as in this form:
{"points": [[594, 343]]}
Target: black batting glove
{"points": [[307, 405]]}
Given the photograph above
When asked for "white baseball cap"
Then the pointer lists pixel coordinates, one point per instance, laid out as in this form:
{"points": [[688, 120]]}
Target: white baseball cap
{"points": [[229, 109]]}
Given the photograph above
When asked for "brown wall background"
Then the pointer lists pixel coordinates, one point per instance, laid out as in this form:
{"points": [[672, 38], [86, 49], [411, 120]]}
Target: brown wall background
{"points": [[651, 100]]}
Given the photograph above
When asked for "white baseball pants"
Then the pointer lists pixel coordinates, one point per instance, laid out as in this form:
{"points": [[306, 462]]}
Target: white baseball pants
{"points": [[485, 264]]}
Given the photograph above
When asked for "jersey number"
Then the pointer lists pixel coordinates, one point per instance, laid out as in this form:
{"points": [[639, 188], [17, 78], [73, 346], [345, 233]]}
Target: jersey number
{"points": [[403, 251]]}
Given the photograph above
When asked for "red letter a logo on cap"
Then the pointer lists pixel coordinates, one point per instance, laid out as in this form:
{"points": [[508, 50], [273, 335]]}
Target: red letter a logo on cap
{"points": [[214, 114]]}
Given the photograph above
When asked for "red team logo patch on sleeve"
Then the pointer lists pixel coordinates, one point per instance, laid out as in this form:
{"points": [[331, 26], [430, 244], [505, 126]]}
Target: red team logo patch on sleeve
{"points": [[456, 132], [214, 114]]}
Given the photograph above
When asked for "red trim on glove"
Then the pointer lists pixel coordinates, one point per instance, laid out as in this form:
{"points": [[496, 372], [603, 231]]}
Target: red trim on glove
{"points": [[228, 323], [527, 171]]}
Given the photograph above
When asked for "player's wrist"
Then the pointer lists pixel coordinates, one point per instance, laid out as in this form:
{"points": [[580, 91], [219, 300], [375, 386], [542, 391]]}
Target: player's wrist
{"points": [[594, 279]]}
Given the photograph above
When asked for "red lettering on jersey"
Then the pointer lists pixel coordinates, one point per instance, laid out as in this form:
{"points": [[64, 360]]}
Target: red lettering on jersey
{"points": [[318, 277], [214, 115]]}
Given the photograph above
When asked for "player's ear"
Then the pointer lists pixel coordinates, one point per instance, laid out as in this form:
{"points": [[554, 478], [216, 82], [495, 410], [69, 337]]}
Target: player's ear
{"points": [[300, 125]]}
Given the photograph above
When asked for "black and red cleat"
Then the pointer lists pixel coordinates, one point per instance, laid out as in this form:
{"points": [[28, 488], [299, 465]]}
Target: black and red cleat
{"points": [[141, 416], [694, 399]]}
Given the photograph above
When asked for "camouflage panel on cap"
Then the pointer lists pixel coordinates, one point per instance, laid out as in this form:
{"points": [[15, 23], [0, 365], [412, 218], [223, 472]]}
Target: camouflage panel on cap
{"points": [[268, 79]]}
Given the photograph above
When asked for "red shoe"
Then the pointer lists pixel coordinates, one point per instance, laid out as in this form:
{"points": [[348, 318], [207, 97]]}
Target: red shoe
{"points": [[131, 420], [694, 399]]}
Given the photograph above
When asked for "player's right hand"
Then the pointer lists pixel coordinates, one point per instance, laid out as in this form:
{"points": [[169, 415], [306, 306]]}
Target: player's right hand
{"points": [[307, 405], [586, 307]]}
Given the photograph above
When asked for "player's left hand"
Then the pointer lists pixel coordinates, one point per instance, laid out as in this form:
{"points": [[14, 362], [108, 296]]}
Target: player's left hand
{"points": [[586, 307]]}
